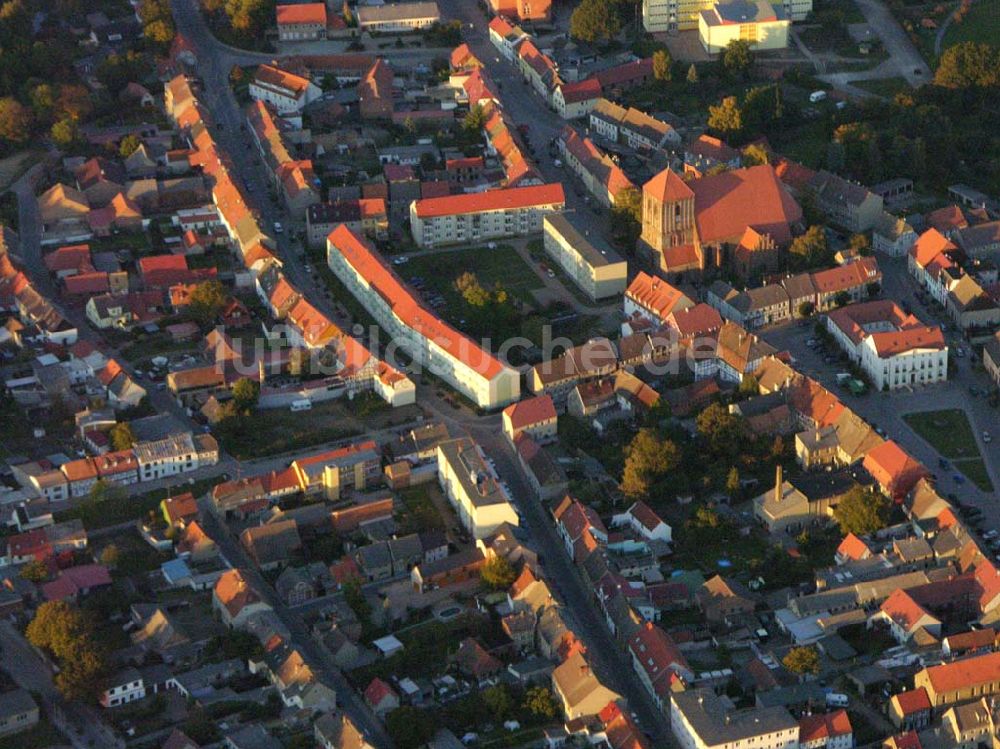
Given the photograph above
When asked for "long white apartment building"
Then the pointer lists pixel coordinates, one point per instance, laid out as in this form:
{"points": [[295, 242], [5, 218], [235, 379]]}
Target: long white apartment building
{"points": [[701, 719], [473, 488], [893, 348], [415, 328], [596, 268], [481, 216]]}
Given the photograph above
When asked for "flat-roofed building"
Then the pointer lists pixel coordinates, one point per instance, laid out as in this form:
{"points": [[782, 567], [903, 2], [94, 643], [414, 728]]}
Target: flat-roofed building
{"points": [[472, 487], [759, 23], [701, 719], [478, 217], [397, 16], [596, 268]]}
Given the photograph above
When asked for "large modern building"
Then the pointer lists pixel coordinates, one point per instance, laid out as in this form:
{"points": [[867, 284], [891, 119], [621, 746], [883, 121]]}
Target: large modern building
{"points": [[416, 329], [671, 16], [596, 268], [759, 23], [473, 488], [700, 719], [481, 216], [894, 349]]}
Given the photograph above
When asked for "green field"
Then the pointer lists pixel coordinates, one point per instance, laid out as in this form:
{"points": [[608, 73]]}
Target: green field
{"points": [[950, 433], [887, 87], [982, 24], [500, 265]]}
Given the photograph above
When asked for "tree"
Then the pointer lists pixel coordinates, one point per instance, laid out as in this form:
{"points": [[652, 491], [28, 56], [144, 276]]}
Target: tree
{"points": [[802, 661], [841, 298], [648, 458], [121, 436], [810, 249], [862, 511], [540, 703], [755, 154], [692, 76], [64, 132], [662, 64], [626, 216], [246, 394], [410, 727], [68, 634], [160, 32], [806, 309], [471, 290], [737, 58], [110, 555], [75, 102], [105, 491], [129, 145], [15, 120], [498, 701], [593, 21], [207, 300], [724, 432], [969, 65], [498, 573], [475, 120], [858, 242], [733, 482], [35, 571], [726, 119]]}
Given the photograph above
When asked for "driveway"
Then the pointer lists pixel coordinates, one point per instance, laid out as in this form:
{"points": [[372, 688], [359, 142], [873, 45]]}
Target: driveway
{"points": [[903, 56]]}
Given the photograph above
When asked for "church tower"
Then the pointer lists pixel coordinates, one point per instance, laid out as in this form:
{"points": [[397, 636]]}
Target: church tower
{"points": [[667, 214]]}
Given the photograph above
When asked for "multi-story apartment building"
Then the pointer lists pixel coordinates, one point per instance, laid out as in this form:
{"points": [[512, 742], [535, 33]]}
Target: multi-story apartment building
{"points": [[354, 466], [683, 15], [701, 719], [895, 349], [432, 343], [472, 487], [477, 217], [596, 268], [176, 454], [760, 24], [396, 17]]}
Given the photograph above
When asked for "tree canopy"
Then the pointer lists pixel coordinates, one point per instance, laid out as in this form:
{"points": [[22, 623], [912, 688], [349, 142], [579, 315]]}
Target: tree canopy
{"points": [[726, 118], [648, 458], [802, 661], [246, 393], [121, 436], [725, 433], [862, 511], [498, 573], [737, 58], [207, 300], [594, 21], [69, 635], [969, 65]]}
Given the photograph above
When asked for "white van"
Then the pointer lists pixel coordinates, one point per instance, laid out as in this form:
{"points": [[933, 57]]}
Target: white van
{"points": [[817, 96], [303, 404], [836, 699]]}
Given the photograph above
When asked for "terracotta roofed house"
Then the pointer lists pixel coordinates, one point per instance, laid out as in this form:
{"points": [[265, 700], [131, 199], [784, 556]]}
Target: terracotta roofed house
{"points": [[961, 680], [893, 469], [534, 416]]}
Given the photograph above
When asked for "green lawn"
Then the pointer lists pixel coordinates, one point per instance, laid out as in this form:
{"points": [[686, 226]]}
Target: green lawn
{"points": [[950, 433], [947, 431], [278, 430], [887, 87], [500, 265], [982, 24]]}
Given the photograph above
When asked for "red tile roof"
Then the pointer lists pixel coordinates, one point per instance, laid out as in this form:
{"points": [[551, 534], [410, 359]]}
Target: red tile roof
{"points": [[947, 219], [73, 580], [668, 187], [301, 13], [697, 320], [73, 257], [824, 726], [371, 266], [903, 610], [278, 78], [585, 90], [853, 548], [180, 507], [377, 691], [912, 701], [966, 673], [929, 245], [893, 468], [726, 204], [491, 200], [531, 411], [92, 283], [656, 295]]}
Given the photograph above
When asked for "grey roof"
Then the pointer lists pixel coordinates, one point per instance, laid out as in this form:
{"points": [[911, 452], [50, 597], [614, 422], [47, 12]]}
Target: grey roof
{"points": [[16, 702], [715, 722], [253, 736], [795, 694], [374, 556], [590, 246], [397, 12]]}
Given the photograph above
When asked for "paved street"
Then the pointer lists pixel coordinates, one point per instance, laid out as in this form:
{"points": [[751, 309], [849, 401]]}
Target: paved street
{"points": [[886, 409], [79, 723], [904, 56]]}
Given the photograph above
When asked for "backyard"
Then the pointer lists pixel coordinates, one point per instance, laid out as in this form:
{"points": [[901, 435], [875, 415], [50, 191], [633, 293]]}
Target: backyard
{"points": [[950, 433], [500, 265], [981, 24], [278, 430]]}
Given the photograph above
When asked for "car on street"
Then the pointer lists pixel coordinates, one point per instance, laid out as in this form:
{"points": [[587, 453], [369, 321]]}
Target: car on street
{"points": [[958, 479], [987, 437]]}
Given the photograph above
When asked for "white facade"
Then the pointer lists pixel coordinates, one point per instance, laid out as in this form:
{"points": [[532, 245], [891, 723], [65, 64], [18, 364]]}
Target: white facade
{"points": [[716, 35], [124, 692], [167, 457], [472, 487], [599, 273], [710, 724], [285, 100], [467, 374], [914, 366], [479, 225]]}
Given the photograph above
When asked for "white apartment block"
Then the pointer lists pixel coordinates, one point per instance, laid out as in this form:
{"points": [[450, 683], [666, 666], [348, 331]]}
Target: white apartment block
{"points": [[417, 330], [700, 719], [473, 488], [170, 456], [596, 268], [478, 217]]}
